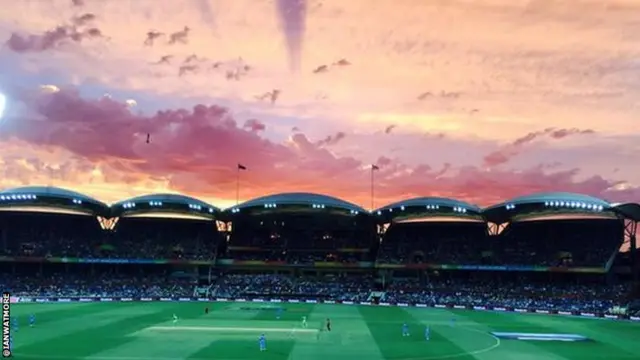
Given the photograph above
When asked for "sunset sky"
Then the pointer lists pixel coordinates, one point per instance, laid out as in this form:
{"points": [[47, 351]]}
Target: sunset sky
{"points": [[475, 100]]}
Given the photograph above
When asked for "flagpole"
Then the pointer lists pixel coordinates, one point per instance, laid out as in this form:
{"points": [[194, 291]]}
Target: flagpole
{"points": [[372, 202], [237, 185]]}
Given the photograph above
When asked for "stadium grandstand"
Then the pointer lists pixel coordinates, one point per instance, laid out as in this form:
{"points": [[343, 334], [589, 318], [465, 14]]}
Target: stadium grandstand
{"points": [[421, 250]]}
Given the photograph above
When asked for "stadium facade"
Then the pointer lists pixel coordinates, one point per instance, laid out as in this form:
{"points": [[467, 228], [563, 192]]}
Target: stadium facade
{"points": [[318, 216], [564, 237]]}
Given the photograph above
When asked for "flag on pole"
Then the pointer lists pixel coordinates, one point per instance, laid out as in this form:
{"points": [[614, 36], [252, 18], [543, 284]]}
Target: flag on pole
{"points": [[241, 167], [375, 167]]}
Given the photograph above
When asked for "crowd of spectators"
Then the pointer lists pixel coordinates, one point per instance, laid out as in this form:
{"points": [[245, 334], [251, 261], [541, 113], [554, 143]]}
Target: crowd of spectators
{"points": [[267, 285], [561, 244], [77, 285], [560, 297], [81, 237], [522, 244], [297, 257], [563, 297]]}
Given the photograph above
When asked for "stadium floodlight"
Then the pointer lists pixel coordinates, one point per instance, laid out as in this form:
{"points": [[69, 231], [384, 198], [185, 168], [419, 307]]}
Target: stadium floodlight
{"points": [[402, 208], [3, 103], [379, 212]]}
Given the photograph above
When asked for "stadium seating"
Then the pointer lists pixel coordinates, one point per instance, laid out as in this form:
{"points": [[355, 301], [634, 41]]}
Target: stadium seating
{"points": [[59, 235], [572, 243], [104, 285], [299, 240], [596, 298], [293, 243]]}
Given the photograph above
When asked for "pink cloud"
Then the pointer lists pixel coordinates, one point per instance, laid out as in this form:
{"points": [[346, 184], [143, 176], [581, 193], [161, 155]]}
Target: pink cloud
{"points": [[57, 37], [181, 36], [196, 151], [332, 139], [254, 125], [506, 153]]}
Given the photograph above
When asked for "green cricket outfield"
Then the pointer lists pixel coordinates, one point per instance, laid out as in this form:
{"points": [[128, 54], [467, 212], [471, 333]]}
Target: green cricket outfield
{"points": [[138, 331]]}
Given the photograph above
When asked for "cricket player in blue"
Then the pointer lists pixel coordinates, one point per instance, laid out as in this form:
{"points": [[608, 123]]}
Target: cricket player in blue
{"points": [[427, 333], [32, 320], [279, 313], [405, 329], [453, 321], [10, 342], [262, 341], [14, 323]]}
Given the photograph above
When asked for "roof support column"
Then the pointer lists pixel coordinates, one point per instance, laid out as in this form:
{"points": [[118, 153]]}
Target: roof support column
{"points": [[630, 231]]}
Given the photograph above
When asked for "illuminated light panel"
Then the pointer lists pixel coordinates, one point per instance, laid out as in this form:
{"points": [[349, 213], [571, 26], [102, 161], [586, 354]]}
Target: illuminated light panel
{"points": [[551, 217], [427, 219], [46, 210], [168, 215]]}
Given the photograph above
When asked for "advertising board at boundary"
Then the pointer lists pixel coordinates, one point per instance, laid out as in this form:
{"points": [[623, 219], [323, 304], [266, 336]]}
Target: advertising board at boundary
{"points": [[17, 299]]}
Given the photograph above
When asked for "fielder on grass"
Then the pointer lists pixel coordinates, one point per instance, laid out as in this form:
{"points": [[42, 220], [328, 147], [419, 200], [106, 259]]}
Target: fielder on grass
{"points": [[405, 329], [304, 322], [262, 342]]}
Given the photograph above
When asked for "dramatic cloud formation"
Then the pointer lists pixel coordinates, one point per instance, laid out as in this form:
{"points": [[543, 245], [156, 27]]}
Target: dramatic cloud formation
{"points": [[78, 30], [292, 15], [515, 98], [198, 148], [511, 150]]}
